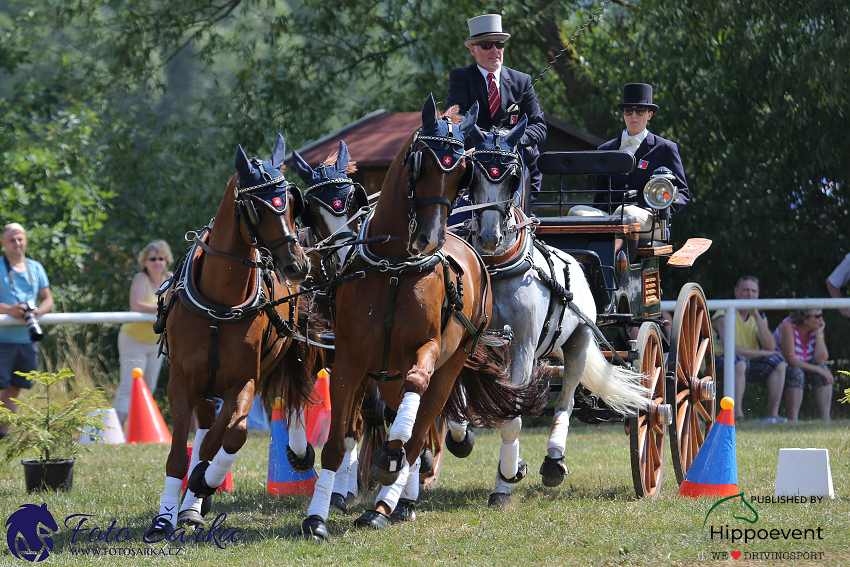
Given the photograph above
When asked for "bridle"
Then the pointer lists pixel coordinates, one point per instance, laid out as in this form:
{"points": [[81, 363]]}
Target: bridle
{"points": [[496, 165], [244, 208], [448, 154]]}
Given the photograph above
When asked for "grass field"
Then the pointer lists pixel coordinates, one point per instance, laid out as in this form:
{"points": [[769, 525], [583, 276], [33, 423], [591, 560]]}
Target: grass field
{"points": [[593, 518]]}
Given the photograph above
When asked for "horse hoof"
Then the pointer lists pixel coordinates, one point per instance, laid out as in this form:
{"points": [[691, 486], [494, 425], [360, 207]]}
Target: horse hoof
{"points": [[499, 500], [426, 463], [338, 503], [160, 530], [197, 483], [553, 471], [461, 449], [301, 464], [405, 511], [521, 471], [190, 517], [314, 529], [350, 498], [386, 465], [372, 520]]}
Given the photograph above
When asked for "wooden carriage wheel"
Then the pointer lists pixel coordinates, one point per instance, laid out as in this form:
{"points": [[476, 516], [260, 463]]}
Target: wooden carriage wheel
{"points": [[691, 378], [647, 430]]}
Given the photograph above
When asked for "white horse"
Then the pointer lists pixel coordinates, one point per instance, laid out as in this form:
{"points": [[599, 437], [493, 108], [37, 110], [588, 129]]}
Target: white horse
{"points": [[542, 293]]}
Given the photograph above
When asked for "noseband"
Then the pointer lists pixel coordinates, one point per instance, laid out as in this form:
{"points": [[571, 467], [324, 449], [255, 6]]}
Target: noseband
{"points": [[244, 207], [447, 152]]}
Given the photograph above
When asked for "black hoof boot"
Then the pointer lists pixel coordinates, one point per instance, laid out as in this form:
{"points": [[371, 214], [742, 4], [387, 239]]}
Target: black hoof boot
{"points": [[553, 471], [405, 511], [499, 500], [159, 530], [521, 471], [386, 465], [372, 520], [426, 463], [190, 517], [198, 484], [206, 506], [462, 449], [338, 503], [314, 530], [301, 464]]}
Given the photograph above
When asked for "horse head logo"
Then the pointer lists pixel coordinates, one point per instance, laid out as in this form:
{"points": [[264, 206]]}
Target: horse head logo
{"points": [[30, 531]]}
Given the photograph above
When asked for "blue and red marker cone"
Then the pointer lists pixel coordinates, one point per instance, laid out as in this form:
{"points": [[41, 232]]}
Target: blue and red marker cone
{"points": [[714, 471], [283, 479]]}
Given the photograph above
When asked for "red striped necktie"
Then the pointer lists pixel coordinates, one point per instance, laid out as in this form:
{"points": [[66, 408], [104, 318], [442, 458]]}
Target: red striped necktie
{"points": [[493, 98]]}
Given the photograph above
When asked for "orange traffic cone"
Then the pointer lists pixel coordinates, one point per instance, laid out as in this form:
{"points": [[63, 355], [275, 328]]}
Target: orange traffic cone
{"points": [[318, 416], [714, 471], [226, 486], [283, 480], [144, 422]]}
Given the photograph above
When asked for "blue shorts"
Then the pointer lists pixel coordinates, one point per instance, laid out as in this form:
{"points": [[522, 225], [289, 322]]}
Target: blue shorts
{"points": [[14, 357], [758, 369]]}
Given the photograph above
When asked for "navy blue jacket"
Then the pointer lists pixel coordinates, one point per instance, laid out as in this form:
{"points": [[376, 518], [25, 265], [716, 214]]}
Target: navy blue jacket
{"points": [[654, 152], [467, 84]]}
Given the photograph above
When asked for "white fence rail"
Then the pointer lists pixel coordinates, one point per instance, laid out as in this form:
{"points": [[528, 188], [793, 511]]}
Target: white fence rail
{"points": [[732, 305]]}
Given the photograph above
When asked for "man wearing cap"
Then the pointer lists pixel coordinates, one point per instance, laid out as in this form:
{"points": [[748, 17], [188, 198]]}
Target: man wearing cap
{"points": [[650, 151], [497, 88]]}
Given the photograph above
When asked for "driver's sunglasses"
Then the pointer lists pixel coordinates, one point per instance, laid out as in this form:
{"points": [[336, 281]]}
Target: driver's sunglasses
{"points": [[638, 111], [488, 45]]}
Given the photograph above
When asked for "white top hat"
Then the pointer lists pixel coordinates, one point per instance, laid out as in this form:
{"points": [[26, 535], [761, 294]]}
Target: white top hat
{"points": [[485, 28]]}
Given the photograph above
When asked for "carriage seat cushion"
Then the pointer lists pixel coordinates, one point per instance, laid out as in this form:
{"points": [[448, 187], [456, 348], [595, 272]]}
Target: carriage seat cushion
{"points": [[606, 220]]}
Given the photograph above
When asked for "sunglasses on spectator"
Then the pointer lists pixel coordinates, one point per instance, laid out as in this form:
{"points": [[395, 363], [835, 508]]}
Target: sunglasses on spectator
{"points": [[817, 315], [638, 111], [488, 45], [157, 259]]}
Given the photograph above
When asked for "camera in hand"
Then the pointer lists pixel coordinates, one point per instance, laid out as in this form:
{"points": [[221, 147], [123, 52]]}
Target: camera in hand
{"points": [[33, 328]]}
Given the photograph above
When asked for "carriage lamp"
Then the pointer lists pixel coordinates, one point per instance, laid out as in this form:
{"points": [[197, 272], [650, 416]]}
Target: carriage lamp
{"points": [[659, 191], [622, 262]]}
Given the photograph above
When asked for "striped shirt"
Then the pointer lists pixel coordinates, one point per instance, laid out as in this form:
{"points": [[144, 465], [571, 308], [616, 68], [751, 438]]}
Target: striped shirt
{"points": [[805, 353]]}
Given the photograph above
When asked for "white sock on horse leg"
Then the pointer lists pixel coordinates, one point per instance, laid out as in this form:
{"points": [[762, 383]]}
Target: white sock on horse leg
{"points": [[352, 476], [390, 494], [321, 502], [411, 489], [457, 430], [402, 427], [298, 435], [219, 467], [557, 443], [190, 500], [508, 458], [341, 478], [170, 499]]}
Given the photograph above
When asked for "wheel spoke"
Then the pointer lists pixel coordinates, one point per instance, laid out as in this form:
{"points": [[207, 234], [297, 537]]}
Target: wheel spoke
{"points": [[703, 412]]}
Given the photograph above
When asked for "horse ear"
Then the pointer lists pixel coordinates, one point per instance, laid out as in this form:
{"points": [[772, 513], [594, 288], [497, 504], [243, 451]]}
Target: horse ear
{"points": [[305, 172], [279, 152], [429, 112], [342, 158], [470, 119], [515, 135], [243, 166], [475, 134]]}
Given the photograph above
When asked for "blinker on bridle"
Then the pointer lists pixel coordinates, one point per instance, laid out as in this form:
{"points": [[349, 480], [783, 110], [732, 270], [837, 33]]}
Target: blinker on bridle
{"points": [[246, 209], [510, 162]]}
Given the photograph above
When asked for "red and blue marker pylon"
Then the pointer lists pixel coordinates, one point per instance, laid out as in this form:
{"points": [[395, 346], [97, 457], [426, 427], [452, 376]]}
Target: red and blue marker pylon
{"points": [[714, 471], [283, 479]]}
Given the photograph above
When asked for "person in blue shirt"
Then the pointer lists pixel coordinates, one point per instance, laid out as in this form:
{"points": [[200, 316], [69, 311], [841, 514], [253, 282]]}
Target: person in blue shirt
{"points": [[24, 286]]}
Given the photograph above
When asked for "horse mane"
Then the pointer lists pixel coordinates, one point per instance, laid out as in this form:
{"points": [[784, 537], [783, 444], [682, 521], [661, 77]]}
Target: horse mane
{"points": [[331, 159], [453, 114]]}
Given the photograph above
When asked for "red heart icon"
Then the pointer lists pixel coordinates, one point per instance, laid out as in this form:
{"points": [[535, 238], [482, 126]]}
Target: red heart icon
{"points": [[735, 554]]}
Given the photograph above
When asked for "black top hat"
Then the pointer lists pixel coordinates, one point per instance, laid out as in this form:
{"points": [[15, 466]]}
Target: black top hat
{"points": [[639, 95]]}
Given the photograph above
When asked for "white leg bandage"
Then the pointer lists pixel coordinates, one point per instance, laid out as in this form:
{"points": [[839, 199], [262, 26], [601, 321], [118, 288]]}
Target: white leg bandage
{"points": [[190, 500], [411, 489], [298, 435], [458, 430], [402, 428], [219, 467], [509, 457], [352, 477], [557, 443], [170, 499], [341, 478], [321, 501], [390, 494]]}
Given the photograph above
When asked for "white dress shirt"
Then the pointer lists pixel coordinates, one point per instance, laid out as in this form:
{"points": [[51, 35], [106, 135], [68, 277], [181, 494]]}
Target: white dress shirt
{"points": [[632, 143]]}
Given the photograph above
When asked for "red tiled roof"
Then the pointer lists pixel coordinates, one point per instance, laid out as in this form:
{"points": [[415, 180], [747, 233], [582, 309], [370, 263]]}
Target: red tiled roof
{"points": [[372, 143]]}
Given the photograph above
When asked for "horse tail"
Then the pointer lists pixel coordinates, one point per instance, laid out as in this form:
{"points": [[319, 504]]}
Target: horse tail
{"points": [[619, 387], [484, 395]]}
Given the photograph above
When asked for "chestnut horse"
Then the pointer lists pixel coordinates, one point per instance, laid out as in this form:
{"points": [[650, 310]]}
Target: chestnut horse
{"points": [[409, 315], [224, 337]]}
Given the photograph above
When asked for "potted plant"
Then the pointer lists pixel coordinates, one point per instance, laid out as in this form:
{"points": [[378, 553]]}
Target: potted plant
{"points": [[49, 429]]}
